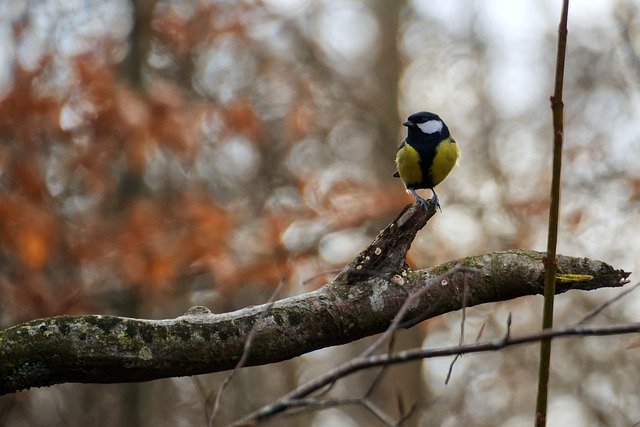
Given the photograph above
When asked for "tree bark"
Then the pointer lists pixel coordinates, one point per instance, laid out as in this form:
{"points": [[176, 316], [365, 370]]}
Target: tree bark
{"points": [[361, 301]]}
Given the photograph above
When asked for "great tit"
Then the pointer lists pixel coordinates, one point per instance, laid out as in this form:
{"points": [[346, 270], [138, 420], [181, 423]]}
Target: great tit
{"points": [[426, 156]]}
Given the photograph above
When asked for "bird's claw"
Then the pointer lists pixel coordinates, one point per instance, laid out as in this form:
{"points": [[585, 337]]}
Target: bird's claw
{"points": [[426, 204], [435, 200]]}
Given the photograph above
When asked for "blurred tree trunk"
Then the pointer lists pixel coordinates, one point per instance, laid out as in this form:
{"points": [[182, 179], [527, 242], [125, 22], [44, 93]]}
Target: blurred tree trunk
{"points": [[387, 69], [132, 67], [131, 187]]}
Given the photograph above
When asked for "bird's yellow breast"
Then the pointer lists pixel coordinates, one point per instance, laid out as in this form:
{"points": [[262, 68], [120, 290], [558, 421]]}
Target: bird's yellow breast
{"points": [[447, 155], [408, 164]]}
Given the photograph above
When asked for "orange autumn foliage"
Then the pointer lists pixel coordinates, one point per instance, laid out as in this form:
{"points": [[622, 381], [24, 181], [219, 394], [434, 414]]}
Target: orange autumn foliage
{"points": [[110, 186]]}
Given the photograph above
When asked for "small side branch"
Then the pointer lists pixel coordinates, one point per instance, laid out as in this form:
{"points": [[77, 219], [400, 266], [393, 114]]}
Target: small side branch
{"points": [[294, 398]]}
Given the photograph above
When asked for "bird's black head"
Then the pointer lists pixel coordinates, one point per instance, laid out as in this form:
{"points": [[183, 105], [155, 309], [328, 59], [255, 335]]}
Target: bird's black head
{"points": [[426, 124]]}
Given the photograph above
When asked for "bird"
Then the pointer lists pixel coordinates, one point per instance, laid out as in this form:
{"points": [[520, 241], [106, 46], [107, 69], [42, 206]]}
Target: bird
{"points": [[426, 156]]}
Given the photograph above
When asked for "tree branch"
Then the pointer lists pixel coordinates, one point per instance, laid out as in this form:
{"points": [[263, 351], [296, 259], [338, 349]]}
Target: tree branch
{"points": [[360, 302], [298, 398], [551, 268]]}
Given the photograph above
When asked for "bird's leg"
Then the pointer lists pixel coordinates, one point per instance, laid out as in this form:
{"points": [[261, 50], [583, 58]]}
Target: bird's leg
{"points": [[434, 199], [424, 203]]}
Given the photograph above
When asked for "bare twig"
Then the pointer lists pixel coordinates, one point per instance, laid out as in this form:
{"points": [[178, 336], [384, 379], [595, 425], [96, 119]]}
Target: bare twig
{"points": [[455, 358], [389, 334], [378, 412], [203, 395], [325, 390], [376, 381], [551, 264], [361, 363], [479, 335], [405, 416], [481, 331], [464, 316], [507, 334], [598, 310], [245, 353], [397, 320], [311, 279]]}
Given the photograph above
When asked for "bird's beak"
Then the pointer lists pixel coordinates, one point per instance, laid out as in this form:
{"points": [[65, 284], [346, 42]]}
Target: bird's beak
{"points": [[408, 124]]}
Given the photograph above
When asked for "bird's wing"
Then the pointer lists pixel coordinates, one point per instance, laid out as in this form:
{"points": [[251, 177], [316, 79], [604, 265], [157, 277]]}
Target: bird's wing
{"points": [[396, 174]]}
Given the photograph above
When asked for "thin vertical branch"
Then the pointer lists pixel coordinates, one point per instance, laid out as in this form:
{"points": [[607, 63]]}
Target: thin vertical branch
{"points": [[465, 292], [551, 265], [245, 352]]}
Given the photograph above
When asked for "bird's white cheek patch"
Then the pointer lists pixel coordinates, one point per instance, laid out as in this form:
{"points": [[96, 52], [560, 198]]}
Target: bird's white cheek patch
{"points": [[432, 126]]}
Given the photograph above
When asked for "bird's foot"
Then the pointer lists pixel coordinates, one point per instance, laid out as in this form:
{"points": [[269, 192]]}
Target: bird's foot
{"points": [[435, 200], [424, 202]]}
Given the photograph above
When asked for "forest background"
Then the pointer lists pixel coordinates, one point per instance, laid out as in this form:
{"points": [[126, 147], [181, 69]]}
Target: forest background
{"points": [[156, 155]]}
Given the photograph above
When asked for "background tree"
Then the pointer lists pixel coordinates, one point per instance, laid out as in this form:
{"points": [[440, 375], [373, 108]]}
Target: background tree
{"points": [[160, 155]]}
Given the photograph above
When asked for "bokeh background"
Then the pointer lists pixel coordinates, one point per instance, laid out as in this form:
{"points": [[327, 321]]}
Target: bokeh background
{"points": [[160, 154]]}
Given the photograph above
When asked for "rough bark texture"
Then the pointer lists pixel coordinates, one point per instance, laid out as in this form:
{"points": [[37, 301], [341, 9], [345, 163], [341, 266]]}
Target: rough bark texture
{"points": [[361, 301]]}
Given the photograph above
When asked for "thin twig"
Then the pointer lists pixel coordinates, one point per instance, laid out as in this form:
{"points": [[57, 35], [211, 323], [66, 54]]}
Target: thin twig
{"points": [[378, 379], [393, 327], [405, 417], [481, 331], [326, 390], [507, 334], [464, 316], [598, 310], [389, 334], [455, 358], [378, 412], [245, 353], [400, 403], [204, 398], [396, 323], [361, 363], [306, 282], [551, 264]]}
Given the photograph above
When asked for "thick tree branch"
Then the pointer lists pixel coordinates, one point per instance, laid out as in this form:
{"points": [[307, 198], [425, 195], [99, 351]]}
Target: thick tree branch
{"points": [[361, 301]]}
